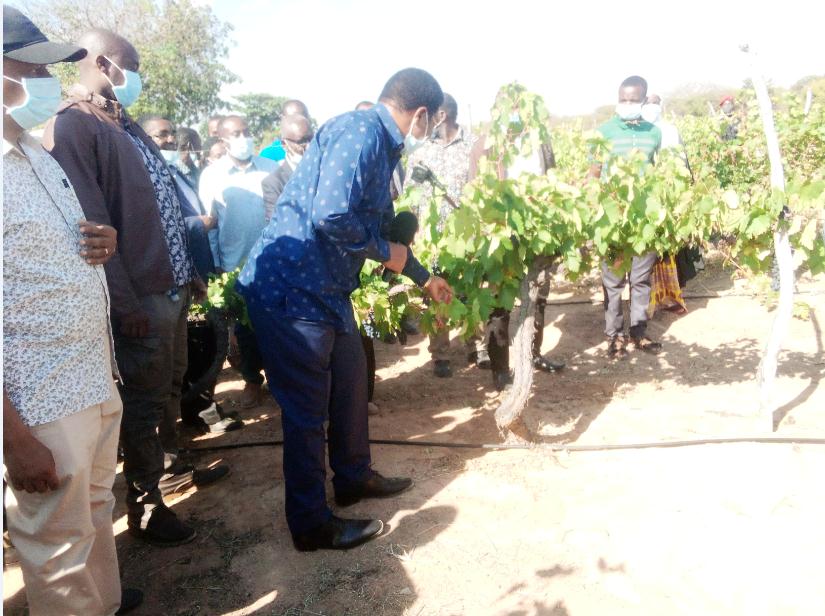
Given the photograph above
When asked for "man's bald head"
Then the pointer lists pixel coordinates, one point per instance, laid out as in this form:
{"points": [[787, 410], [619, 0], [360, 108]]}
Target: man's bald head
{"points": [[108, 53], [296, 134], [294, 107], [233, 126], [295, 128]]}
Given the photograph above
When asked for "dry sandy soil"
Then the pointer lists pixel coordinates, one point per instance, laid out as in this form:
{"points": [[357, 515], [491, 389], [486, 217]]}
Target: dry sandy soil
{"points": [[709, 529]]}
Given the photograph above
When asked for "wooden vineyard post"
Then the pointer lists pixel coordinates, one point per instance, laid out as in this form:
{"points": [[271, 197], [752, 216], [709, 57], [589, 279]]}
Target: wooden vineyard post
{"points": [[782, 251]]}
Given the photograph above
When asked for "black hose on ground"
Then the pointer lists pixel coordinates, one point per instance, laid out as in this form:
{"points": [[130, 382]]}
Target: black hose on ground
{"points": [[582, 302], [768, 440]]}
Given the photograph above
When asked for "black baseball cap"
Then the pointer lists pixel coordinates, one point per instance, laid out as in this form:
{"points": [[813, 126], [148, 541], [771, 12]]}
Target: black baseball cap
{"points": [[23, 41]]}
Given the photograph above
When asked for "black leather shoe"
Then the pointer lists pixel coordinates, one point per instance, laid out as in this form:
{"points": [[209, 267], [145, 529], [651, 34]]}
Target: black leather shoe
{"points": [[502, 379], [130, 599], [376, 486], [337, 534], [442, 369], [542, 363], [163, 529]]}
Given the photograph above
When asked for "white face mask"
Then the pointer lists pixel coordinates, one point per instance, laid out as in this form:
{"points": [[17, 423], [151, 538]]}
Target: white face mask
{"points": [[292, 159], [652, 112], [240, 147], [629, 111], [411, 142]]}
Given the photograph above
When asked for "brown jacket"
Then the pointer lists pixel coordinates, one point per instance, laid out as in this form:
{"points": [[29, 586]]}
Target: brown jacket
{"points": [[88, 138]]}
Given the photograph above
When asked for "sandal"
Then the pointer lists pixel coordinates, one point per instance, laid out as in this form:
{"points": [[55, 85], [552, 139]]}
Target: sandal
{"points": [[647, 345]]}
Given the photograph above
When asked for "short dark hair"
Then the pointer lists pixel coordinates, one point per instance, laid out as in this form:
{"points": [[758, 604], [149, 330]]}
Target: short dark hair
{"points": [[450, 107], [210, 141], [147, 118], [187, 136], [364, 104], [412, 88], [634, 81]]}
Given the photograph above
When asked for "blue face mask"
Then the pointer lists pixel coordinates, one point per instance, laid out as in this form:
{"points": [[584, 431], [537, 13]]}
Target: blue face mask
{"points": [[128, 92], [172, 157], [42, 101]]}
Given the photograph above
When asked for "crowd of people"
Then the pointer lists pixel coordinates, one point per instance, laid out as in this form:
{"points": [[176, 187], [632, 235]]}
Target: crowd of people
{"points": [[113, 225]]}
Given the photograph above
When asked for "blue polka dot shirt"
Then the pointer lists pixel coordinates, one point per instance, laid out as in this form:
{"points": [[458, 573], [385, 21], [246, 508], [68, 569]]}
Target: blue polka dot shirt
{"points": [[332, 215]]}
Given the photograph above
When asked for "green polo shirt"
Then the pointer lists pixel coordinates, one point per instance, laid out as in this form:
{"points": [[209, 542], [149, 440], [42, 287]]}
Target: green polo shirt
{"points": [[625, 138]]}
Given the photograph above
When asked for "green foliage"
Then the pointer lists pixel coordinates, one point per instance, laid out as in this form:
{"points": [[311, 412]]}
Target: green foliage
{"points": [[504, 225], [182, 47], [222, 296], [379, 307], [263, 114]]}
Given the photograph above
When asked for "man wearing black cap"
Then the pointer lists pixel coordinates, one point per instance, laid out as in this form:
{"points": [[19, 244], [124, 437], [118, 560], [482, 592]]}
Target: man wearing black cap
{"points": [[61, 409]]}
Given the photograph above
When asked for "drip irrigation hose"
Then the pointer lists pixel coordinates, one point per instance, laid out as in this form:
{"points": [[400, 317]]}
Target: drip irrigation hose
{"points": [[772, 440], [582, 302]]}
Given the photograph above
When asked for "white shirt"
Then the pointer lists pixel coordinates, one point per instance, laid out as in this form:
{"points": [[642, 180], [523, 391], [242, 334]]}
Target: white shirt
{"points": [[524, 164], [55, 305], [234, 196], [670, 135]]}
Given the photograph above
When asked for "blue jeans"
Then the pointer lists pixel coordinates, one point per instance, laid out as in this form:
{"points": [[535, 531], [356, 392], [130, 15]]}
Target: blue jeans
{"points": [[315, 373]]}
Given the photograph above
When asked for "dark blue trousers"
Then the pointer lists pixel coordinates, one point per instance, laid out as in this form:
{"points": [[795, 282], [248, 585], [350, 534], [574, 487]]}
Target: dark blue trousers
{"points": [[315, 374]]}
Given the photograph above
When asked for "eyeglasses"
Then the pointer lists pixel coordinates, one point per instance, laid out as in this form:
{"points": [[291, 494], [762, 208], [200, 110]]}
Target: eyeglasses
{"points": [[164, 134], [304, 142]]}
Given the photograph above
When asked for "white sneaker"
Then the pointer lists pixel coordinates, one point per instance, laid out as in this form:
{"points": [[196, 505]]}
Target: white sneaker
{"points": [[216, 423]]}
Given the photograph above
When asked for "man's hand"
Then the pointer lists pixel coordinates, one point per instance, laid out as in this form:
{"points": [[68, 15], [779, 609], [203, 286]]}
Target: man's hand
{"points": [[438, 289], [135, 324], [99, 242], [209, 222], [198, 289], [31, 465], [398, 257]]}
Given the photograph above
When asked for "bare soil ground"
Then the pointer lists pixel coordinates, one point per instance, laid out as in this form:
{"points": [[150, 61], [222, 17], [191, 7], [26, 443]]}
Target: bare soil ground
{"points": [[710, 529]]}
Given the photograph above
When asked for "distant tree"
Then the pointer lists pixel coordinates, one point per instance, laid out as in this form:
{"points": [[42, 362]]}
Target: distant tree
{"points": [[263, 113], [182, 48], [815, 82]]}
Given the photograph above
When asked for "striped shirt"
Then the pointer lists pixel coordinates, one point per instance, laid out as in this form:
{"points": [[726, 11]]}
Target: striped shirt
{"points": [[627, 137]]}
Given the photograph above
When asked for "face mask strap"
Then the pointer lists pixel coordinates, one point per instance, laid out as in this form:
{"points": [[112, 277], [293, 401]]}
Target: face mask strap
{"points": [[426, 126], [122, 73]]}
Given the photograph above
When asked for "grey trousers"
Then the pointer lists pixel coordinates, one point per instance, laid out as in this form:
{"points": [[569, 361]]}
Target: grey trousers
{"points": [[152, 369], [613, 286]]}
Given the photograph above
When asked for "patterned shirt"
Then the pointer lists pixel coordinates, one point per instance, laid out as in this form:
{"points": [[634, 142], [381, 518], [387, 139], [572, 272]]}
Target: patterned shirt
{"points": [[234, 196], [451, 165], [170, 214], [55, 305], [328, 220]]}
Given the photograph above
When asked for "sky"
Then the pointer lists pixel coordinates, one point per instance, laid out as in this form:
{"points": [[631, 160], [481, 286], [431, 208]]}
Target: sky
{"points": [[332, 54]]}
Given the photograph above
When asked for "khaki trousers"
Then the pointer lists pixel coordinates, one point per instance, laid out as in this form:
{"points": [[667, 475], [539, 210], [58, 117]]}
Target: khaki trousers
{"points": [[64, 537]]}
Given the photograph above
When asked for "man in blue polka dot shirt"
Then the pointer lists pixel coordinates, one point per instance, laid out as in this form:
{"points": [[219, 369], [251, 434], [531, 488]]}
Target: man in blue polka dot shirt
{"points": [[332, 215]]}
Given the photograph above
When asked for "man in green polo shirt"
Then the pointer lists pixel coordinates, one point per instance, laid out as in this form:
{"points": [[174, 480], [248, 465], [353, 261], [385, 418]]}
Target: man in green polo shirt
{"points": [[627, 132]]}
